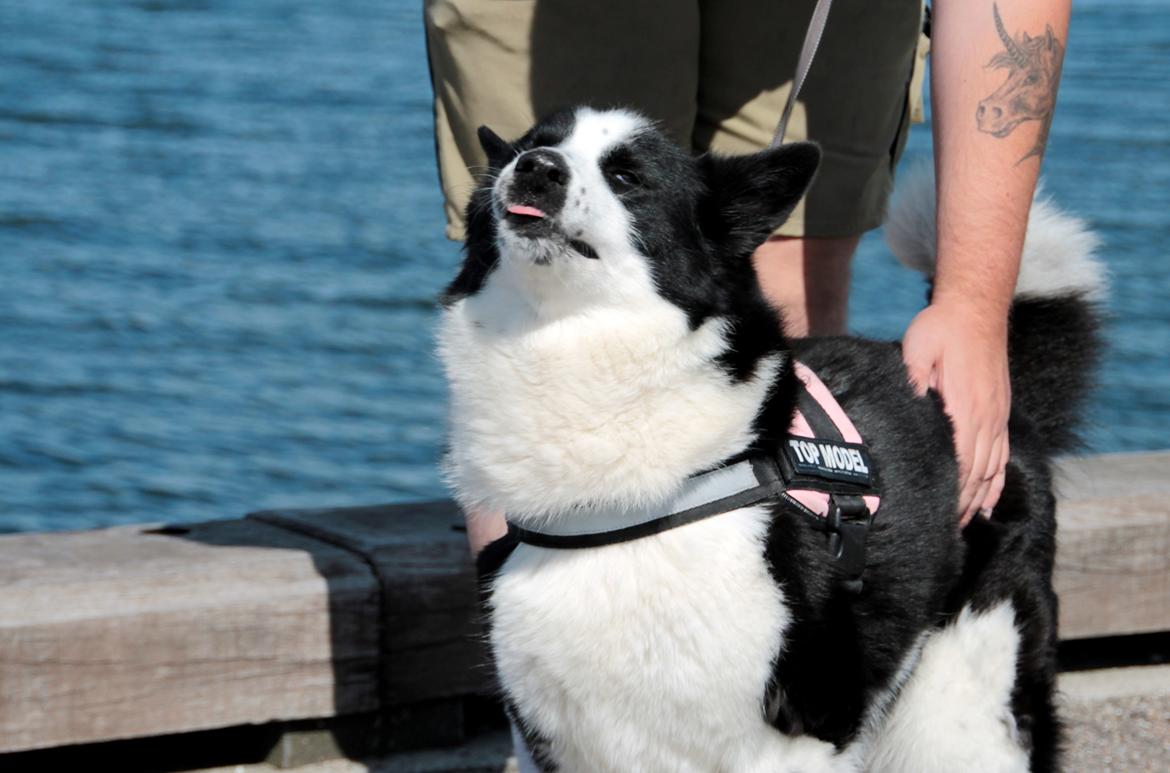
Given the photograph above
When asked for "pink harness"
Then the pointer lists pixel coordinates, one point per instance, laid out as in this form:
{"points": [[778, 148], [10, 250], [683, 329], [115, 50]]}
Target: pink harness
{"points": [[817, 501]]}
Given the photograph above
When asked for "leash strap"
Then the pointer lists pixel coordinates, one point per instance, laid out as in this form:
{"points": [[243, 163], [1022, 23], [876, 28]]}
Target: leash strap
{"points": [[808, 50]]}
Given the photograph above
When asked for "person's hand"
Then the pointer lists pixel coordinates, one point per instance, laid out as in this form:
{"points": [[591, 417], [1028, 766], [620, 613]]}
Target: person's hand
{"points": [[960, 353], [483, 528]]}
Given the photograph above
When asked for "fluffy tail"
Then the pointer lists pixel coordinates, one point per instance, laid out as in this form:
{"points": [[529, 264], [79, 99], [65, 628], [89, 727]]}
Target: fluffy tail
{"points": [[1054, 336]]}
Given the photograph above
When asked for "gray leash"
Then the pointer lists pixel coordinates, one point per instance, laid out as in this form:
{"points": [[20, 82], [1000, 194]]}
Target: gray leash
{"points": [[808, 49]]}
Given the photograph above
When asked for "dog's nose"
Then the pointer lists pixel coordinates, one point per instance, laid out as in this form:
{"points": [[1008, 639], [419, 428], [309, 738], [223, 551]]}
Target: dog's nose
{"points": [[542, 170], [542, 167], [540, 179]]}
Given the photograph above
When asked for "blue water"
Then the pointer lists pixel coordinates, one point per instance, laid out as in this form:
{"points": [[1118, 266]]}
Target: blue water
{"points": [[221, 238]]}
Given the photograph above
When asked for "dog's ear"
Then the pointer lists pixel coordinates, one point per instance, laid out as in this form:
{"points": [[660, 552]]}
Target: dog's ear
{"points": [[749, 197], [499, 151]]}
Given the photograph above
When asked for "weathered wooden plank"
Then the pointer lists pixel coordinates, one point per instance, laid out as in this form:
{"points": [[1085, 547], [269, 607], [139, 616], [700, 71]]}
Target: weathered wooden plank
{"points": [[1113, 554], [119, 633], [285, 615], [434, 639]]}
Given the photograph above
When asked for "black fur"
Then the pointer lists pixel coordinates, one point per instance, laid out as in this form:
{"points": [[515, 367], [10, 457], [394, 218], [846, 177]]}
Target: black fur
{"points": [[841, 645], [699, 221], [1055, 345]]}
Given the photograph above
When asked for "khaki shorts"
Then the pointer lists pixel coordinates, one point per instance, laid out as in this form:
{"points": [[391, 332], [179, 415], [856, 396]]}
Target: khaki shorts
{"points": [[714, 73]]}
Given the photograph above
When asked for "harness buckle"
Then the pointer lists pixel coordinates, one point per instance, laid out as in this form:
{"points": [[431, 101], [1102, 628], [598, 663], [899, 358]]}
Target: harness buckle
{"points": [[849, 522]]}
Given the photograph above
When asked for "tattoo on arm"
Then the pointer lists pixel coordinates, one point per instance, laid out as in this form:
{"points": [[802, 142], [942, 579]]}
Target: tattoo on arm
{"points": [[1029, 94]]}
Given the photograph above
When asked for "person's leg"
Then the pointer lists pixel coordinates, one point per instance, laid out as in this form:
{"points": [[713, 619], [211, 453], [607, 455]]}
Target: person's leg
{"points": [[808, 280], [479, 72], [507, 64], [855, 104]]}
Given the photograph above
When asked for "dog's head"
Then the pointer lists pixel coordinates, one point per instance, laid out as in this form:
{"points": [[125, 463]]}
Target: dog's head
{"points": [[606, 336], [596, 207]]}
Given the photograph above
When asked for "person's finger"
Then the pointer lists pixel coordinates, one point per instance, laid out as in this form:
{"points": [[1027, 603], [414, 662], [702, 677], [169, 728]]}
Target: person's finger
{"points": [[977, 500], [973, 507], [976, 465], [997, 483], [991, 482], [993, 494], [968, 480], [966, 449], [921, 378]]}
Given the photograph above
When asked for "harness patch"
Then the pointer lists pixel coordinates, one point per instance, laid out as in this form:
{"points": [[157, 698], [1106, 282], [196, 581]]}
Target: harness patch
{"points": [[830, 460]]}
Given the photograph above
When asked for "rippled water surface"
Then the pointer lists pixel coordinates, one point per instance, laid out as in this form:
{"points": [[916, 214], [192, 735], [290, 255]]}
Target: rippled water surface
{"points": [[221, 238]]}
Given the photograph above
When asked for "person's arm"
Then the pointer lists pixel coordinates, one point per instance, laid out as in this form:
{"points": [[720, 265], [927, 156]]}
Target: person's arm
{"points": [[994, 77]]}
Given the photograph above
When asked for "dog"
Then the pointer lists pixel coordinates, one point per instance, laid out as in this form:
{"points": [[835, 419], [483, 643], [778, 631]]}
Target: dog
{"points": [[605, 341]]}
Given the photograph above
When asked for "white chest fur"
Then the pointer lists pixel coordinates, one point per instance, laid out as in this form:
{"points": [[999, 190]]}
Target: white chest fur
{"points": [[648, 655], [609, 405]]}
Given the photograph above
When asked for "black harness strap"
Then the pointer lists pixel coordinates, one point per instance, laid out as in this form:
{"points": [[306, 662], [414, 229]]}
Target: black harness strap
{"points": [[764, 492], [814, 413]]}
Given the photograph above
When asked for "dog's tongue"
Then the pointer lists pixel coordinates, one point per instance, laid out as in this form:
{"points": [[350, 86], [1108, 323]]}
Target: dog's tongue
{"points": [[524, 209]]}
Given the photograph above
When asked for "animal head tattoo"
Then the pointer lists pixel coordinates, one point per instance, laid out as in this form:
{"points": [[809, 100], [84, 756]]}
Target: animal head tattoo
{"points": [[1029, 93]]}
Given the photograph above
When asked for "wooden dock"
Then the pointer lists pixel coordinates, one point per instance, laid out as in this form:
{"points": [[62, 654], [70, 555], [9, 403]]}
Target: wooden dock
{"points": [[296, 618]]}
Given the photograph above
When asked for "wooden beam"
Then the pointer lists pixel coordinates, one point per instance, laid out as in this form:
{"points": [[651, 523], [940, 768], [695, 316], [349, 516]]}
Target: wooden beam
{"points": [[123, 633], [130, 632], [1113, 544]]}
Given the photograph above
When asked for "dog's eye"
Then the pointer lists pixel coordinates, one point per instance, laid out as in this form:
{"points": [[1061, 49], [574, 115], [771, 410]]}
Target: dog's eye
{"points": [[622, 180], [619, 167]]}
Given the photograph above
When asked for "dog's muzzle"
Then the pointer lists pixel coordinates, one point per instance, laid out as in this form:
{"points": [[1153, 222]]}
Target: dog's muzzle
{"points": [[537, 192]]}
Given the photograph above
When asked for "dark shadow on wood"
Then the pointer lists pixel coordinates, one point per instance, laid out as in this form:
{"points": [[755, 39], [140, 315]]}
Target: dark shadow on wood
{"points": [[1147, 649], [430, 670]]}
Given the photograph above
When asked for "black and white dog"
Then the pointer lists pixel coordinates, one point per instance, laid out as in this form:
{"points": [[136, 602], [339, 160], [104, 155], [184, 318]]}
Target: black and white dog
{"points": [[606, 341]]}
